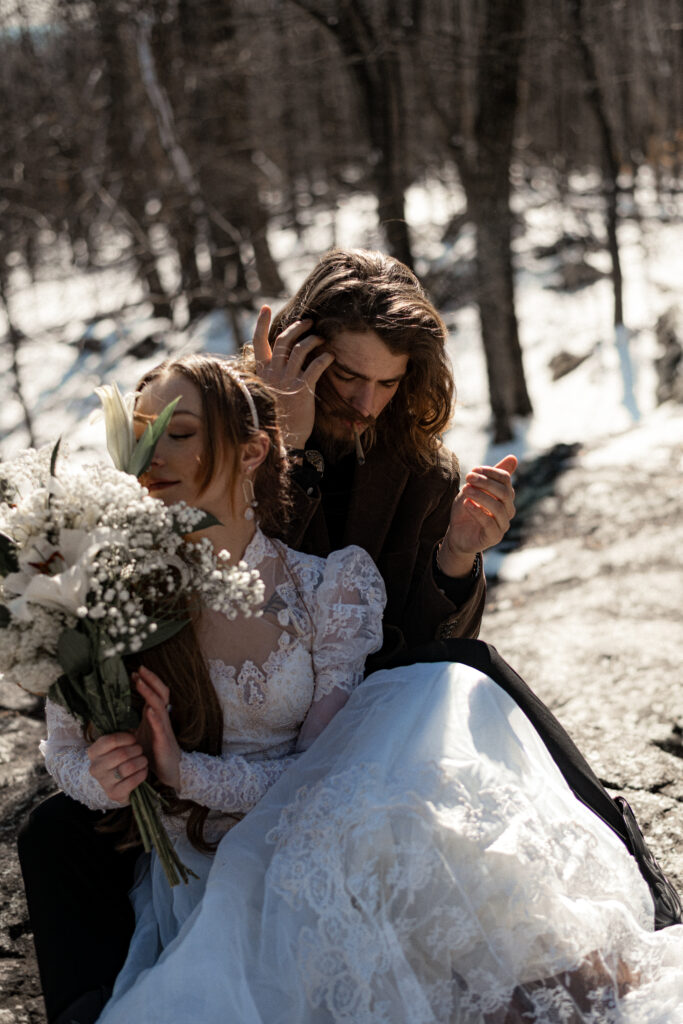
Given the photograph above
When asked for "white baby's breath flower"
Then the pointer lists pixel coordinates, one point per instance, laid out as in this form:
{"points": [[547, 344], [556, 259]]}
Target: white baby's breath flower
{"points": [[98, 553]]}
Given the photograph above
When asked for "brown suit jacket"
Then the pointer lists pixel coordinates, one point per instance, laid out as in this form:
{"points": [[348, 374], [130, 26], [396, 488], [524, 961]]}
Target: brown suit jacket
{"points": [[398, 516]]}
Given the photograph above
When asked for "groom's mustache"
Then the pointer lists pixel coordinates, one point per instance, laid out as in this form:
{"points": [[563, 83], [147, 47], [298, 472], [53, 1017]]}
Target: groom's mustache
{"points": [[333, 406]]}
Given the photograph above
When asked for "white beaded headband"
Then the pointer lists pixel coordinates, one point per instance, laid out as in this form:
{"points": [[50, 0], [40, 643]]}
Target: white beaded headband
{"points": [[232, 373]]}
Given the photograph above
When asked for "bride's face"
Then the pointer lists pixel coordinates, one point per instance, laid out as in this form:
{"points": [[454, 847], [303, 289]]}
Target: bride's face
{"points": [[176, 471]]}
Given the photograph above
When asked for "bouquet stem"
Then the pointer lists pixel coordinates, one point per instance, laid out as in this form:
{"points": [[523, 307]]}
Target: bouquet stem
{"points": [[145, 802]]}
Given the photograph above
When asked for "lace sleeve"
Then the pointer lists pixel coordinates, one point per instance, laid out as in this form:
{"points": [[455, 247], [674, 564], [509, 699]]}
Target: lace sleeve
{"points": [[229, 783], [348, 620], [66, 759]]}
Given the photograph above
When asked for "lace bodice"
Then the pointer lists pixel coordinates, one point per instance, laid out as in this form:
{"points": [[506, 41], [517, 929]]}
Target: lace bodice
{"points": [[294, 664]]}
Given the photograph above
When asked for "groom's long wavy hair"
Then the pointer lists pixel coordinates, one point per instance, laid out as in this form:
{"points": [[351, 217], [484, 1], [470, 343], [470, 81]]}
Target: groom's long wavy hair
{"points": [[197, 717], [361, 290]]}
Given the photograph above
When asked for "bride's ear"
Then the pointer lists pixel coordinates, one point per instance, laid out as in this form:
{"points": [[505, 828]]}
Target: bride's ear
{"points": [[254, 452]]}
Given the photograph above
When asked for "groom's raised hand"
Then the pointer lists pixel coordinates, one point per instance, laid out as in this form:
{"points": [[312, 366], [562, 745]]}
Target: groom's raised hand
{"points": [[480, 516], [282, 367]]}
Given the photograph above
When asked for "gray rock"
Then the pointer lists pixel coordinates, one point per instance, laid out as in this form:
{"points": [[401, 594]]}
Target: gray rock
{"points": [[669, 363], [596, 630], [576, 273], [564, 362]]}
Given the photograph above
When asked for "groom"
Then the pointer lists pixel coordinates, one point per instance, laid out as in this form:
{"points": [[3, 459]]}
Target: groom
{"points": [[358, 358]]}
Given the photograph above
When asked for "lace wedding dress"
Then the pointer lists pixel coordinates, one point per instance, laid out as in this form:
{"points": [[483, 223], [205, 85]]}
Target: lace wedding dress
{"points": [[423, 861]]}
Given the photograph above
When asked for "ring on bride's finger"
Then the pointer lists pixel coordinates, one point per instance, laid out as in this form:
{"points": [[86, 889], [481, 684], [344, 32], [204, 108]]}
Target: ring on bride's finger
{"points": [[117, 774], [169, 708]]}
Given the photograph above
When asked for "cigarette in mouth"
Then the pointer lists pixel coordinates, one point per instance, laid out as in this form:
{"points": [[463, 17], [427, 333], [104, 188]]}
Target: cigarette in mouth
{"points": [[360, 454]]}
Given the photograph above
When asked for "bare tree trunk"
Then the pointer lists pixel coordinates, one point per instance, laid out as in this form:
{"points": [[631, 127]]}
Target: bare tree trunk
{"points": [[266, 267], [14, 339], [200, 299], [495, 299], [485, 173], [228, 267], [383, 102], [610, 152], [375, 65], [194, 222], [119, 133], [161, 304]]}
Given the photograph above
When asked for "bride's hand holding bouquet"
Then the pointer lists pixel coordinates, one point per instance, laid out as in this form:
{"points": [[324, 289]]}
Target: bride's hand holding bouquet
{"points": [[120, 761]]}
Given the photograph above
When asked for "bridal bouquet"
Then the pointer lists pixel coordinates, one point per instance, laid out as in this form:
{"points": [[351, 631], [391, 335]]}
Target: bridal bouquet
{"points": [[93, 569]]}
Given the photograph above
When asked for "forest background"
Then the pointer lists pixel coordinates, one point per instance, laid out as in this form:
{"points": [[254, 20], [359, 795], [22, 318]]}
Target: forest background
{"points": [[177, 142]]}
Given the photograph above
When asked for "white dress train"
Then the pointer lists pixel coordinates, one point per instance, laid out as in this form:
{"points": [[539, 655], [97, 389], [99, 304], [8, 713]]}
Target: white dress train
{"points": [[424, 861]]}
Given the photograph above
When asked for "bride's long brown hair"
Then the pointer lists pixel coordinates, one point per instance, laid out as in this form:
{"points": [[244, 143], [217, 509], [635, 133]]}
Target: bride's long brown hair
{"points": [[227, 423]]}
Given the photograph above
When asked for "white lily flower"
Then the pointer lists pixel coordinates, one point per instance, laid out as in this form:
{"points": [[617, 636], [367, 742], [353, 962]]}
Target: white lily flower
{"points": [[65, 590], [118, 423]]}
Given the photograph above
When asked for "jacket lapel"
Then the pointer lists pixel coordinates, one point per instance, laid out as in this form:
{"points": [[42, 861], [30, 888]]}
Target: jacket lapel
{"points": [[377, 489]]}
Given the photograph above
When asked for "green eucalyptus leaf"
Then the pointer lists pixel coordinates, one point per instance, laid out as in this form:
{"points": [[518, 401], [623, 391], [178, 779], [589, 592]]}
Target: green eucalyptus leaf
{"points": [[116, 687], [98, 706], [164, 631], [53, 457], [128, 722], [74, 652], [65, 693], [206, 522], [203, 524], [116, 680], [8, 555], [143, 453]]}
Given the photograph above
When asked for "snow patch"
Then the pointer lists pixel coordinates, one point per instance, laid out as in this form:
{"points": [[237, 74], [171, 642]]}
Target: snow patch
{"points": [[517, 565]]}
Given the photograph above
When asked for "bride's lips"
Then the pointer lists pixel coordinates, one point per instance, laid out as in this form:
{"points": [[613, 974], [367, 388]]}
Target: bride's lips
{"points": [[160, 485]]}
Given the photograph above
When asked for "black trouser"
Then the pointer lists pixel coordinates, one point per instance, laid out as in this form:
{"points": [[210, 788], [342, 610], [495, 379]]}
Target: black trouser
{"points": [[568, 758], [77, 887]]}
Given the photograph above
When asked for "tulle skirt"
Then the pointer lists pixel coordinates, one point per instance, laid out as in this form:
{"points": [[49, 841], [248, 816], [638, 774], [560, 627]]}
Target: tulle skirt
{"points": [[424, 861]]}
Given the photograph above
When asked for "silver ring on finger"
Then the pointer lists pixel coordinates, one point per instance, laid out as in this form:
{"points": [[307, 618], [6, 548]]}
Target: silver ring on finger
{"points": [[169, 708], [117, 775]]}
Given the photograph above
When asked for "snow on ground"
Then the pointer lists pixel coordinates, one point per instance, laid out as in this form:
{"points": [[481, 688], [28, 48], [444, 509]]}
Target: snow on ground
{"points": [[610, 396]]}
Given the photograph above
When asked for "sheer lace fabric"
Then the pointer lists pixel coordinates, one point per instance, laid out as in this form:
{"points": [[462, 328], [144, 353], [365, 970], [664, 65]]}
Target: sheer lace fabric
{"points": [[423, 863], [320, 620]]}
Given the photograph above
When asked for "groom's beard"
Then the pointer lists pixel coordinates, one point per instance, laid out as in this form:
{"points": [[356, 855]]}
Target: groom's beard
{"points": [[335, 421]]}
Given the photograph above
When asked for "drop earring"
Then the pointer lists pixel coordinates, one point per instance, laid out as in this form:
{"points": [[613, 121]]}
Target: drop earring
{"points": [[249, 497]]}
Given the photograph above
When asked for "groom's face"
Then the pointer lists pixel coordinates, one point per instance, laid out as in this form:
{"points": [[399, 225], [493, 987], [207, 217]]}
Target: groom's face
{"points": [[359, 384]]}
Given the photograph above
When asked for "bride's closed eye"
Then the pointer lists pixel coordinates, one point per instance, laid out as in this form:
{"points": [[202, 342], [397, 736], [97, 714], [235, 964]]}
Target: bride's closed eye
{"points": [[180, 437]]}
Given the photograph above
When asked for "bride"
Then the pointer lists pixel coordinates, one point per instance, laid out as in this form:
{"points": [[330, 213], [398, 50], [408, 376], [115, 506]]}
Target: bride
{"points": [[401, 851]]}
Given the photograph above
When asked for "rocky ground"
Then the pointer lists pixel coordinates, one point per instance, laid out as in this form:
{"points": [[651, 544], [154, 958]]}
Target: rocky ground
{"points": [[587, 608]]}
